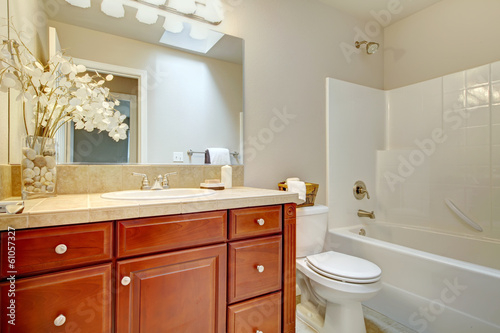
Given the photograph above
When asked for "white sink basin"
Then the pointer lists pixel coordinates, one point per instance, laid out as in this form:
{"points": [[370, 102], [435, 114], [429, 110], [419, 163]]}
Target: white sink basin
{"points": [[173, 193]]}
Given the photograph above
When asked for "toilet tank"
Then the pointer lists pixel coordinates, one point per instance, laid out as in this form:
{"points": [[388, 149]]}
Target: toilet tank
{"points": [[312, 224]]}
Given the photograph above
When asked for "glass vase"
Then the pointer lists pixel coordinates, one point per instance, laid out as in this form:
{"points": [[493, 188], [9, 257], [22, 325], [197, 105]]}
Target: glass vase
{"points": [[38, 167]]}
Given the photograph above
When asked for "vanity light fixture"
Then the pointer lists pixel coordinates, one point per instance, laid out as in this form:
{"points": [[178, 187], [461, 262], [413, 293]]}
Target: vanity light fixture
{"points": [[80, 3], [113, 8], [205, 11], [371, 47]]}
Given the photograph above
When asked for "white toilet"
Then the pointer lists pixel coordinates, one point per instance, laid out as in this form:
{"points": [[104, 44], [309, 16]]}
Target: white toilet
{"points": [[332, 284]]}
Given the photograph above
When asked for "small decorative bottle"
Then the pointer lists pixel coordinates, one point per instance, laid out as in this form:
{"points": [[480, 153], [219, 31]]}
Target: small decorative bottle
{"points": [[226, 176]]}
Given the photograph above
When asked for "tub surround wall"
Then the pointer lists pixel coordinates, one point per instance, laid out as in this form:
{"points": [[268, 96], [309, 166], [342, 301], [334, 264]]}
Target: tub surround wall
{"points": [[356, 129], [83, 179], [444, 142]]}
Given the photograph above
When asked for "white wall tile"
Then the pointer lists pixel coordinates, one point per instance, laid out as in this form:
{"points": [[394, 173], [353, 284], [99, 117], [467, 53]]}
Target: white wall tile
{"points": [[414, 112], [477, 76], [495, 71], [454, 100], [454, 82], [495, 114], [478, 96], [495, 134], [478, 135], [478, 116]]}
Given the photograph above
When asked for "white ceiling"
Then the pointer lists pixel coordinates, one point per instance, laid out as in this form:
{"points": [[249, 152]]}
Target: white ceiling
{"points": [[361, 9]]}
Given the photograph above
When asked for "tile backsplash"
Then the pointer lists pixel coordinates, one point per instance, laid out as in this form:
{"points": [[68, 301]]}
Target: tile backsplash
{"points": [[80, 179]]}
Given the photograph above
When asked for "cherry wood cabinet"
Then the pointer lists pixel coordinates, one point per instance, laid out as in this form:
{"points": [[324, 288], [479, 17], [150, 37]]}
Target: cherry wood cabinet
{"points": [[259, 314], [254, 267], [77, 300], [181, 291], [200, 272], [155, 234], [255, 221], [50, 249]]}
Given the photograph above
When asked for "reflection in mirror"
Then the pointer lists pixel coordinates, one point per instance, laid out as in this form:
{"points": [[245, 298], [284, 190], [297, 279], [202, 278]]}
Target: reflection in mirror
{"points": [[194, 101]]}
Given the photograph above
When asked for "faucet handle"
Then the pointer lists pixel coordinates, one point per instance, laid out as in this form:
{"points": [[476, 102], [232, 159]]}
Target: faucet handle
{"points": [[360, 190], [145, 181], [165, 179]]}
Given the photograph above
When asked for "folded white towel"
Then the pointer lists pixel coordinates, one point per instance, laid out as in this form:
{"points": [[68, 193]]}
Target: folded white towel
{"points": [[219, 156], [297, 186]]}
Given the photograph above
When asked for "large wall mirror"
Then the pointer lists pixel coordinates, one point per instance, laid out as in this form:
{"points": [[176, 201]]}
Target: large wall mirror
{"points": [[177, 100]]}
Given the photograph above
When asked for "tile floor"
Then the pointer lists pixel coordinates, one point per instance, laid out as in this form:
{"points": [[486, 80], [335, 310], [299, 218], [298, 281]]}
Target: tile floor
{"points": [[375, 323]]}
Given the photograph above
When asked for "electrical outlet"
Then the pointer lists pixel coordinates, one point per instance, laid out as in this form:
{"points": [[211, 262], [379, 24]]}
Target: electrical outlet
{"points": [[178, 157]]}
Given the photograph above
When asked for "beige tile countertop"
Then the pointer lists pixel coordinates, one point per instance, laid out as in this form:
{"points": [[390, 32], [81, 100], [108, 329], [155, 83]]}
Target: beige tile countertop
{"points": [[84, 208]]}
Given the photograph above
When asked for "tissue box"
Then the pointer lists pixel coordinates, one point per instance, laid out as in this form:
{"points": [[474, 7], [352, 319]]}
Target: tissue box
{"points": [[311, 190]]}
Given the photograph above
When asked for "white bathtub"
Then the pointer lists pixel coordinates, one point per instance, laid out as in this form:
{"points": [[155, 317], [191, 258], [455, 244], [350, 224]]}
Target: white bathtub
{"points": [[438, 292]]}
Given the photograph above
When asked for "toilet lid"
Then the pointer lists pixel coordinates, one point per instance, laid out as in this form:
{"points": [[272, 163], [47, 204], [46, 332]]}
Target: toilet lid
{"points": [[344, 267]]}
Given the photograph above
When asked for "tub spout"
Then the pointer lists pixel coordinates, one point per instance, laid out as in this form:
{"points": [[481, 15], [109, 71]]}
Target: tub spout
{"points": [[364, 213]]}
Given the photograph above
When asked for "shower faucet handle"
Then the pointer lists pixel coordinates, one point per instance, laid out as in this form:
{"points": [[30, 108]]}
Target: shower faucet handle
{"points": [[359, 190]]}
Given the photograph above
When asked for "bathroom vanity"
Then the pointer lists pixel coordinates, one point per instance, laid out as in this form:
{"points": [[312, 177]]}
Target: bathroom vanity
{"points": [[224, 263]]}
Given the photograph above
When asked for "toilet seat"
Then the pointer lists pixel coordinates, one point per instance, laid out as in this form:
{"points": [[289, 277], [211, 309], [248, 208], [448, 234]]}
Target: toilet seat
{"points": [[343, 267]]}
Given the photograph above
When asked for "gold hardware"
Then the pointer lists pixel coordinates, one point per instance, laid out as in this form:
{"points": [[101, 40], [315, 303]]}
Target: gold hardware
{"points": [[364, 213], [359, 190]]}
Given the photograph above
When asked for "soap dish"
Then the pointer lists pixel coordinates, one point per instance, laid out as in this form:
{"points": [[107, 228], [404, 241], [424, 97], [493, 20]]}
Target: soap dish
{"points": [[212, 186]]}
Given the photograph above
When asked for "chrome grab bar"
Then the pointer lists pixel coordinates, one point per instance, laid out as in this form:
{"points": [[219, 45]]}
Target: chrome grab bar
{"points": [[461, 214]]}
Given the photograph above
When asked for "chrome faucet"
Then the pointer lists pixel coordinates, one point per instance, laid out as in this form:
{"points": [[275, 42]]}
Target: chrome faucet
{"points": [[364, 213]]}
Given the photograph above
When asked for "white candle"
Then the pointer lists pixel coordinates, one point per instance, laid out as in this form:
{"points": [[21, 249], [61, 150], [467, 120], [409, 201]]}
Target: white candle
{"points": [[226, 176]]}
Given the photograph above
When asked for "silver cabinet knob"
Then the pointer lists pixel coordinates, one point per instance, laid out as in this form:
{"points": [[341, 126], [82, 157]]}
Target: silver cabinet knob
{"points": [[126, 281], [259, 331], [61, 249], [261, 221], [60, 320], [260, 268]]}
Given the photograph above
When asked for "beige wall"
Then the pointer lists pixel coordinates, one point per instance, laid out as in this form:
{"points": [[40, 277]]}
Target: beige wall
{"points": [[291, 47], [4, 98], [448, 37], [29, 20]]}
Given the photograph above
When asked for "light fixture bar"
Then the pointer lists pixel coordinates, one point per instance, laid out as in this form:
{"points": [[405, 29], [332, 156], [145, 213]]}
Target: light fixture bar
{"points": [[173, 11]]}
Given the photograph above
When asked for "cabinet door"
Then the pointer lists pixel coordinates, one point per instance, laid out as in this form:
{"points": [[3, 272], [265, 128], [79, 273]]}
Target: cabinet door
{"points": [[73, 301], [183, 291]]}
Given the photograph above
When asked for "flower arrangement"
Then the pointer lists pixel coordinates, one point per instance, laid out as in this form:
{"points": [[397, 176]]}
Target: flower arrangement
{"points": [[58, 92]]}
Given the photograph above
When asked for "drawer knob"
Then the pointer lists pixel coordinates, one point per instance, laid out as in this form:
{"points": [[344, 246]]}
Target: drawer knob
{"points": [[125, 281], [261, 221], [260, 268], [259, 331], [61, 249], [60, 320]]}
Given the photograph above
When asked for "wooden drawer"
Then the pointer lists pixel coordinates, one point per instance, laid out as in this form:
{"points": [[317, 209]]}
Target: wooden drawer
{"points": [[259, 314], [149, 235], [245, 258], [82, 296], [257, 221], [35, 250]]}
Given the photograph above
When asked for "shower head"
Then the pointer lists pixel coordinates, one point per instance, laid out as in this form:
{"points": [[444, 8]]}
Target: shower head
{"points": [[371, 47]]}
